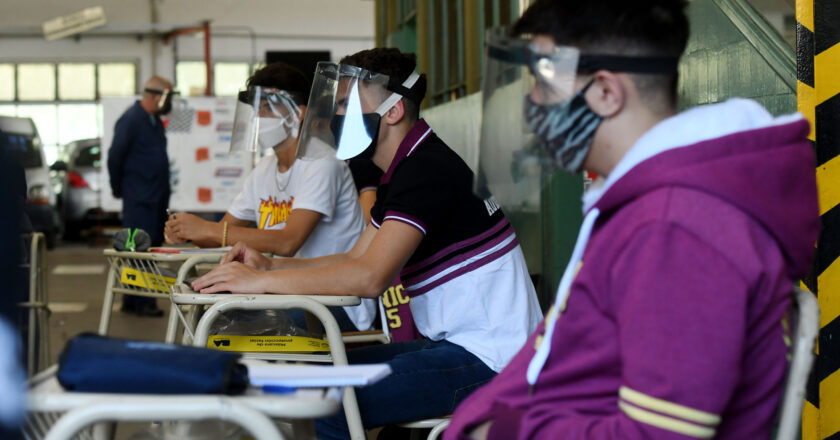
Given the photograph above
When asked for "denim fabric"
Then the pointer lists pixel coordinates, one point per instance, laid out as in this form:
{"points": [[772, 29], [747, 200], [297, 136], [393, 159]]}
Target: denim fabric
{"points": [[429, 379], [298, 317]]}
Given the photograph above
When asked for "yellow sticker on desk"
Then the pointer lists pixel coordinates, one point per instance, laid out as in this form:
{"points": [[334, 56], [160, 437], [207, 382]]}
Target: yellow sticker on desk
{"points": [[251, 344], [146, 280]]}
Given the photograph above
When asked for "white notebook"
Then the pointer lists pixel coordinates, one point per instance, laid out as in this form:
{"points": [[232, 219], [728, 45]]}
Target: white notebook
{"points": [[262, 373]]}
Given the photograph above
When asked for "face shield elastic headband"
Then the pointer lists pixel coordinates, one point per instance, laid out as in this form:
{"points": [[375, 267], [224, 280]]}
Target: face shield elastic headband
{"points": [[164, 103], [536, 60], [404, 90], [264, 117], [413, 88], [256, 93]]}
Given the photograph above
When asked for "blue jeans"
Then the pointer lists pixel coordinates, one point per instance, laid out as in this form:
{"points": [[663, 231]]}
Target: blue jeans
{"points": [[429, 379], [298, 317]]}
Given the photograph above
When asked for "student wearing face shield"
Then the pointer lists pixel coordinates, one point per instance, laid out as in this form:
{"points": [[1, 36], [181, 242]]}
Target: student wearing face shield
{"points": [[139, 168], [670, 320], [457, 255], [288, 206]]}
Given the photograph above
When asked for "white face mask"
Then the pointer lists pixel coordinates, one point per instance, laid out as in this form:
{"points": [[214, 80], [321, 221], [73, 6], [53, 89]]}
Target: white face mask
{"points": [[273, 131]]}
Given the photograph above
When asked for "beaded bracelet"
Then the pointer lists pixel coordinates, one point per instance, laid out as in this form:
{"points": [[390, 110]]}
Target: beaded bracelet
{"points": [[224, 234]]}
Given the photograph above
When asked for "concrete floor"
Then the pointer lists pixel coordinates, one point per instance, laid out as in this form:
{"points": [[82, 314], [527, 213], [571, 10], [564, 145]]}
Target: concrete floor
{"points": [[76, 275], [76, 304], [76, 299]]}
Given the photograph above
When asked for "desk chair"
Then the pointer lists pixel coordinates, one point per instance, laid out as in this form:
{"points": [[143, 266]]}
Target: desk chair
{"points": [[38, 332], [145, 274], [804, 332], [314, 304], [805, 328], [56, 414]]}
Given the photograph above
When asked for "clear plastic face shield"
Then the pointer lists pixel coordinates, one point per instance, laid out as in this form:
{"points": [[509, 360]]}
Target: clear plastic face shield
{"points": [[346, 108], [512, 165], [164, 99], [536, 119], [265, 117]]}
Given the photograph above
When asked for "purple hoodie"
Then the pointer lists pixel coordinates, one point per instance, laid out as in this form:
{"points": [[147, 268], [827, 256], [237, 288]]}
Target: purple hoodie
{"points": [[673, 326]]}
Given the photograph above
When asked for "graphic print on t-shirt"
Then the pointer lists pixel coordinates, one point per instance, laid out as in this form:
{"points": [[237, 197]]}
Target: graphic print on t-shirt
{"points": [[272, 213], [398, 314]]}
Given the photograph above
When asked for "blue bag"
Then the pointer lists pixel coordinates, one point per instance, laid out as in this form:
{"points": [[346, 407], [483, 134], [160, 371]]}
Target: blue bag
{"points": [[94, 363]]}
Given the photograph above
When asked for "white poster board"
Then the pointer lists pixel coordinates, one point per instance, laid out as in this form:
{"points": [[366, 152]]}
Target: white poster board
{"points": [[202, 175]]}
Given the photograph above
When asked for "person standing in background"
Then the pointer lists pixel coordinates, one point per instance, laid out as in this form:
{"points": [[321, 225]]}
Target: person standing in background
{"points": [[139, 169]]}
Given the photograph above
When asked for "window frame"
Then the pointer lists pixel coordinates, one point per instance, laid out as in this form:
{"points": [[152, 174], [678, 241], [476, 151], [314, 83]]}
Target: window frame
{"points": [[16, 103]]}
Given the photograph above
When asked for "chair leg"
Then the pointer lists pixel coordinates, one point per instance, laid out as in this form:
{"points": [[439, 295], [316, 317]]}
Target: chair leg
{"points": [[438, 430], [192, 320], [108, 302], [172, 323]]}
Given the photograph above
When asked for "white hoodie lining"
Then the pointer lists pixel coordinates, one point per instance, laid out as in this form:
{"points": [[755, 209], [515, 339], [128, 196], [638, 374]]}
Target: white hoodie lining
{"points": [[688, 128]]}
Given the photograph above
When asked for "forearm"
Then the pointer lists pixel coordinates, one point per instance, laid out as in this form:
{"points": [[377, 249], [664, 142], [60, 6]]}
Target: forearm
{"points": [[343, 277], [278, 243], [307, 263]]}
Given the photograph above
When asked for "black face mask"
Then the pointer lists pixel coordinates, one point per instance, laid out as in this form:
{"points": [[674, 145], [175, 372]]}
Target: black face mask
{"points": [[371, 122]]}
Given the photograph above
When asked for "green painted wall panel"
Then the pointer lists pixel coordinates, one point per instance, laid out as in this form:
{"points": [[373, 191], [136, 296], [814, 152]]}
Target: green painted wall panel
{"points": [[720, 62]]}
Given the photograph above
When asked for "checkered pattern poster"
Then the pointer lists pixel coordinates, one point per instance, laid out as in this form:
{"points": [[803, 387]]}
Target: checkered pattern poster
{"points": [[203, 176]]}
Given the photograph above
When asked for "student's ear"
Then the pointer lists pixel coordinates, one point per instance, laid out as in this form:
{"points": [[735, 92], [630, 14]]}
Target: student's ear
{"points": [[607, 95], [302, 109], [395, 114]]}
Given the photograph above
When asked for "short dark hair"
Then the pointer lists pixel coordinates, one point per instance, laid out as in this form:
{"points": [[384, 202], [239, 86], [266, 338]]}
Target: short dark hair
{"points": [[284, 77], [392, 62], [616, 27]]}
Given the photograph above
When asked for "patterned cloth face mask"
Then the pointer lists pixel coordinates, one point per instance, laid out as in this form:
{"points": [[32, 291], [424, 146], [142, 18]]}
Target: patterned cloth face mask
{"points": [[565, 129]]}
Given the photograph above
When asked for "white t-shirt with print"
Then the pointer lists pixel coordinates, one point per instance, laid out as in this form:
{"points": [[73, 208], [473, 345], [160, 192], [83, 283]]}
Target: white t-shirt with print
{"points": [[323, 185]]}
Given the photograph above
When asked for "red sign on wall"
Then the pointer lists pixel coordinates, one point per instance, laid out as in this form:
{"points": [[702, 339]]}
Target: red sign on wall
{"points": [[203, 117], [205, 195]]}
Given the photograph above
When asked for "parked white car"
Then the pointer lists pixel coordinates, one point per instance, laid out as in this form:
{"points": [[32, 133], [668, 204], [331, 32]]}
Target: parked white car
{"points": [[81, 206], [20, 136]]}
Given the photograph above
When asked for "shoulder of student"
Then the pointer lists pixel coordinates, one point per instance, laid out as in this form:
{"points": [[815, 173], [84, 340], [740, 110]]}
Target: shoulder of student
{"points": [[433, 161]]}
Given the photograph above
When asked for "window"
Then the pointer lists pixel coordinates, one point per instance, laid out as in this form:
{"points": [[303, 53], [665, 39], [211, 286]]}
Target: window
{"points": [[77, 121], [45, 118], [36, 82], [117, 79], [7, 82], [88, 156], [76, 81], [61, 97], [28, 152], [228, 78], [191, 78]]}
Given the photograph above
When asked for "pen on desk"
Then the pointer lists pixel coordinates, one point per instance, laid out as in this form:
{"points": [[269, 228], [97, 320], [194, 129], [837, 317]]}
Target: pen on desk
{"points": [[278, 389]]}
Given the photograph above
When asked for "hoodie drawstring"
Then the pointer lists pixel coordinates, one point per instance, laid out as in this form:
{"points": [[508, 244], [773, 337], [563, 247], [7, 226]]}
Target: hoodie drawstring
{"points": [[540, 357]]}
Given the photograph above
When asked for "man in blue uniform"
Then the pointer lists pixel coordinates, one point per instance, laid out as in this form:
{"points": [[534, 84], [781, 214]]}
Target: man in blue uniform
{"points": [[139, 168]]}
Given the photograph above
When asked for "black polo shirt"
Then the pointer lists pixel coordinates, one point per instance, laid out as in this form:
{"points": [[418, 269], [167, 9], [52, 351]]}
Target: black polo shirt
{"points": [[429, 187]]}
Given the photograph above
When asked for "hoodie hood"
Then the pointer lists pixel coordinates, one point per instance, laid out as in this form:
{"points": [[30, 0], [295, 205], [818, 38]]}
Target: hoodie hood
{"points": [[763, 165]]}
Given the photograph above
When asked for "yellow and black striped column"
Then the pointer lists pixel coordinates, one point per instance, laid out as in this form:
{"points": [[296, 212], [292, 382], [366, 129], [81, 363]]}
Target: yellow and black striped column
{"points": [[818, 98]]}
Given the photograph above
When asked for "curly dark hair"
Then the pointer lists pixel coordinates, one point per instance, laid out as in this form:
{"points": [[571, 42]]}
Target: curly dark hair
{"points": [[619, 27], [392, 62], [284, 77]]}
